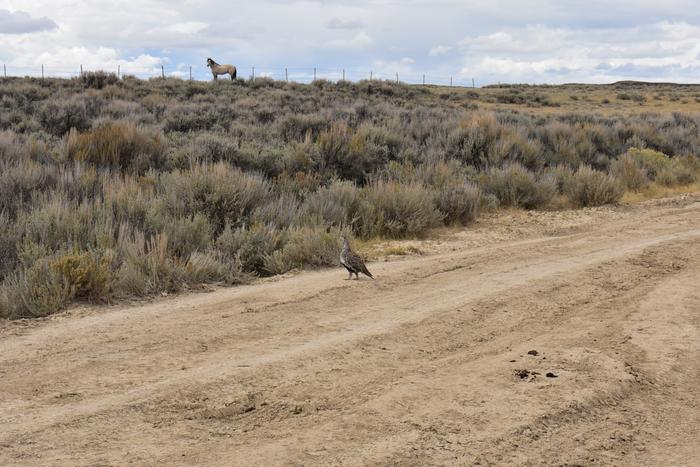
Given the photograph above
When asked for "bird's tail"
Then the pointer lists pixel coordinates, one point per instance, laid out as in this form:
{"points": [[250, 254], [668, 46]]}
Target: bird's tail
{"points": [[367, 273]]}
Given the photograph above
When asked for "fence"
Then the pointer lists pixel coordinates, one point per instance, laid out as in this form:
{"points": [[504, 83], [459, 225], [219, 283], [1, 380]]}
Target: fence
{"points": [[202, 73]]}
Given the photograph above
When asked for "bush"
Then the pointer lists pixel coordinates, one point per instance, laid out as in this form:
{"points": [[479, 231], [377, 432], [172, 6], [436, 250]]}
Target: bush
{"points": [[459, 202], [250, 246], [590, 187], [630, 172], [61, 115], [396, 210], [653, 162], [49, 284], [117, 145], [98, 79], [335, 205], [676, 174], [33, 292], [516, 186], [86, 275], [221, 193], [258, 177], [207, 268], [9, 240], [305, 247]]}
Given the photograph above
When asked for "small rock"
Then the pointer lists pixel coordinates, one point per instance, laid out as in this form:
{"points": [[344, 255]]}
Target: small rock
{"points": [[534, 353], [551, 375]]}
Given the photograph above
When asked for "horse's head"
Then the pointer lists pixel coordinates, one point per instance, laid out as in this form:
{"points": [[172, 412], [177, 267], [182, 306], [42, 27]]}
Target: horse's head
{"points": [[210, 62]]}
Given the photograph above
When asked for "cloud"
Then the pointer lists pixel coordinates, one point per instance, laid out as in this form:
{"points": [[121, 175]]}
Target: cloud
{"points": [[337, 23], [359, 41], [188, 27], [20, 22], [539, 53], [550, 41], [439, 50]]}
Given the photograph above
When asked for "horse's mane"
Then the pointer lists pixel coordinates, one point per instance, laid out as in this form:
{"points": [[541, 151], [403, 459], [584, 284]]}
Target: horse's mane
{"points": [[213, 61]]}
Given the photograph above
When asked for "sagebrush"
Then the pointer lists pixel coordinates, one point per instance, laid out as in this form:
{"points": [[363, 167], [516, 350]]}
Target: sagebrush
{"points": [[112, 188]]}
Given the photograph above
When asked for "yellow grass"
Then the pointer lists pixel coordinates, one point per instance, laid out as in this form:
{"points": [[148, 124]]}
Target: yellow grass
{"points": [[654, 191], [602, 99]]}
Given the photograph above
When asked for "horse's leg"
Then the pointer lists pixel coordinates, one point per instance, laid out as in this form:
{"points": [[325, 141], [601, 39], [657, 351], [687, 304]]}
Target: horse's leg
{"points": [[233, 76], [215, 76]]}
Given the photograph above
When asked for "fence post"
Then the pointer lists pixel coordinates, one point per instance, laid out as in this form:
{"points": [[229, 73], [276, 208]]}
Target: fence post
{"points": [[314, 73], [190, 72], [253, 75], [162, 71], [450, 81], [4, 70], [119, 71], [42, 71], [424, 80], [397, 77], [472, 82], [370, 75], [343, 74], [81, 69], [286, 75]]}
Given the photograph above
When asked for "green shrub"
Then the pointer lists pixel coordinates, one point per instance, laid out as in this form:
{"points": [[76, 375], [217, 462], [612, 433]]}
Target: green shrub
{"points": [[60, 116], [86, 275], [396, 210], [33, 292], [561, 174], [221, 193], [250, 246], [117, 145], [516, 186], [207, 268], [281, 211], [305, 247], [630, 172], [652, 161], [590, 187], [335, 205], [187, 235], [98, 79], [10, 237], [677, 173], [459, 202]]}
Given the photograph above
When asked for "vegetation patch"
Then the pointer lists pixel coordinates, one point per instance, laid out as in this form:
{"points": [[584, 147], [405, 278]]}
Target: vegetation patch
{"points": [[114, 188]]}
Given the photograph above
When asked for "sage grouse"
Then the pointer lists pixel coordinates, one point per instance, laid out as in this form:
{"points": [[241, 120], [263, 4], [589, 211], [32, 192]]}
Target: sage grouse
{"points": [[352, 261]]}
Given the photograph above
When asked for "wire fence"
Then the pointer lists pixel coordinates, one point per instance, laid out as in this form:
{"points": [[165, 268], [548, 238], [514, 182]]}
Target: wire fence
{"points": [[202, 73]]}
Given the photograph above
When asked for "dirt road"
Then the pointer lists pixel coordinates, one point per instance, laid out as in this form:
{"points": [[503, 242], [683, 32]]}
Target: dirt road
{"points": [[531, 338]]}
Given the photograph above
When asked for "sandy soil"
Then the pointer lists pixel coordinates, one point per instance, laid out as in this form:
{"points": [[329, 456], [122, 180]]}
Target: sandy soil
{"points": [[532, 338]]}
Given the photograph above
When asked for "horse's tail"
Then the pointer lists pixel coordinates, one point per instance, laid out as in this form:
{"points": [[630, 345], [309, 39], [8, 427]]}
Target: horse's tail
{"points": [[233, 73]]}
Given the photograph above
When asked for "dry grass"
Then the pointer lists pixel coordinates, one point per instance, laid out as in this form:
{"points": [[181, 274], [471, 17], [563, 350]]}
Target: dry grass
{"points": [[582, 98], [656, 190], [123, 188]]}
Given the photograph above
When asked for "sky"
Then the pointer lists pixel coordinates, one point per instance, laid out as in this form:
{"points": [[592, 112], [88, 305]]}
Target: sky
{"points": [[536, 41]]}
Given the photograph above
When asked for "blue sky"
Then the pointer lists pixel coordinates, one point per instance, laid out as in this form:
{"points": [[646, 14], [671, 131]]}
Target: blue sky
{"points": [[543, 41]]}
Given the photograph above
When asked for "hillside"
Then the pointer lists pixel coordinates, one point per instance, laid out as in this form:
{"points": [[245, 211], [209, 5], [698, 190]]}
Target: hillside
{"points": [[112, 189]]}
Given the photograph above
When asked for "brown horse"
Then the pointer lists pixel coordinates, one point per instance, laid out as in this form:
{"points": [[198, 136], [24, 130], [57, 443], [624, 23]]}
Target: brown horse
{"points": [[217, 69]]}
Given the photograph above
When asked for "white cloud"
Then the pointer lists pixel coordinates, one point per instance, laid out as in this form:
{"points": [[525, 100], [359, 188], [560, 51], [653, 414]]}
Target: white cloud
{"points": [[20, 22], [189, 27], [359, 41], [549, 41], [439, 50], [661, 51], [337, 23]]}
